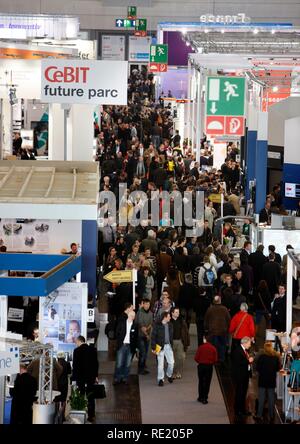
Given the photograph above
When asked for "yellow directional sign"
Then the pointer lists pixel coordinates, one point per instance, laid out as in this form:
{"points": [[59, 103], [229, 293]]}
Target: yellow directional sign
{"points": [[117, 277], [215, 198]]}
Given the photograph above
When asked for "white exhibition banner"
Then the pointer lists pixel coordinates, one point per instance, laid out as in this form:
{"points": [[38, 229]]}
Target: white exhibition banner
{"points": [[10, 361], [23, 75], [39, 235], [113, 47], [139, 49], [31, 26], [63, 316], [96, 82]]}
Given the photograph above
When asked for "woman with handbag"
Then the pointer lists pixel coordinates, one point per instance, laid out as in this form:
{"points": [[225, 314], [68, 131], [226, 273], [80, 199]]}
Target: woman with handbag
{"points": [[241, 325], [262, 304]]}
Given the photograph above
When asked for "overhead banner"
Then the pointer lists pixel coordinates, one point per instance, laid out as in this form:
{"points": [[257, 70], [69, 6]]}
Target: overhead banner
{"points": [[63, 316], [24, 74], [9, 361], [77, 81]]}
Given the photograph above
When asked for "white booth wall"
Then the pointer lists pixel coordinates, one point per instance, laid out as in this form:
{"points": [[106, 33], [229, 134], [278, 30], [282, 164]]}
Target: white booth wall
{"points": [[60, 235]]}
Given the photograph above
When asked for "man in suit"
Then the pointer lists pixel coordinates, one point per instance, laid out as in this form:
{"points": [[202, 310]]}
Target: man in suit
{"points": [[241, 372], [265, 214], [245, 253], [257, 261], [271, 272], [85, 372]]}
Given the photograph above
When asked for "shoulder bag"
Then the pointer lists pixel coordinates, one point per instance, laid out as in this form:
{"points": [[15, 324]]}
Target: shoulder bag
{"points": [[239, 326]]}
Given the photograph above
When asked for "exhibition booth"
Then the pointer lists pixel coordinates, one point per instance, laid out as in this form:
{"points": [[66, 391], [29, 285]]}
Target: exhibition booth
{"points": [[46, 206]]}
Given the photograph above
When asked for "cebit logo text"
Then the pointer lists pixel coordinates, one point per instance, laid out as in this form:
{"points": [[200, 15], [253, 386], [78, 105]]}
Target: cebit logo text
{"points": [[68, 74]]}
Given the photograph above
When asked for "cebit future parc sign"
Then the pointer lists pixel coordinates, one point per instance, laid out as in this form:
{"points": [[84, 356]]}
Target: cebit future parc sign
{"points": [[80, 81]]}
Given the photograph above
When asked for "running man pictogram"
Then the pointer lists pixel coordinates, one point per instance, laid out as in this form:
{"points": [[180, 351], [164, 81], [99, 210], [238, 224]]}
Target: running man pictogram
{"points": [[230, 90]]}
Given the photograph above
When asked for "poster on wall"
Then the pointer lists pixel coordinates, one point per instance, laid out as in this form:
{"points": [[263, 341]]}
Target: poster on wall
{"points": [[113, 47], [25, 235], [139, 49], [63, 316]]}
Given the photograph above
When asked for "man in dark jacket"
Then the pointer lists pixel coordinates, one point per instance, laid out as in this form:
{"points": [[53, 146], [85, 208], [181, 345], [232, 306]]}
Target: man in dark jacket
{"points": [[161, 344], [241, 372], [256, 261], [278, 313], [271, 272], [181, 341], [23, 395], [85, 372], [127, 337], [216, 324], [265, 214]]}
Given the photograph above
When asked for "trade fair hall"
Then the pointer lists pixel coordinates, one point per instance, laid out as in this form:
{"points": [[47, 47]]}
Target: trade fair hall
{"points": [[149, 215]]}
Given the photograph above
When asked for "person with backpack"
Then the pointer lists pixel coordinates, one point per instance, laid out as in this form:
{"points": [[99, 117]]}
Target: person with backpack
{"points": [[207, 275]]}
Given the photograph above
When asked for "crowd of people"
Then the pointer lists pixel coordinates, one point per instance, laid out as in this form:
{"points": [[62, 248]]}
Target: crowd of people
{"points": [[181, 278]]}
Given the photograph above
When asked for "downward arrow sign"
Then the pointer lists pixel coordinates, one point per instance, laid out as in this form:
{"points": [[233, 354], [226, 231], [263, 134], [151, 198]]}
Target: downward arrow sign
{"points": [[213, 108]]}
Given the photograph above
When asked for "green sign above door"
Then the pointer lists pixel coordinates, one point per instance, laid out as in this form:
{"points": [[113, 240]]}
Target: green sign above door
{"points": [[225, 96]]}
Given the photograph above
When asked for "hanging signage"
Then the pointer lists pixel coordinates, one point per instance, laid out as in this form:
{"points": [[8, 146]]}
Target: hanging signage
{"points": [[78, 81], [9, 361], [15, 314], [141, 24], [125, 23], [157, 67], [131, 12], [225, 96], [159, 54], [225, 19], [139, 49], [225, 125], [113, 47], [37, 26]]}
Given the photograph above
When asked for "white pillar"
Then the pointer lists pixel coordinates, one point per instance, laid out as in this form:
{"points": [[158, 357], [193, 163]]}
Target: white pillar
{"points": [[6, 129], [56, 132], [289, 295], [80, 133]]}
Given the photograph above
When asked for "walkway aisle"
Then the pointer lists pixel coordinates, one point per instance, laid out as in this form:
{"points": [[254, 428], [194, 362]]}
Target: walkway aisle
{"points": [[177, 403]]}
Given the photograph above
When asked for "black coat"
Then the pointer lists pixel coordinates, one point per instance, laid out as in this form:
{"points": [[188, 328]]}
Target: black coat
{"points": [[257, 261], [267, 367], [271, 272], [63, 381], [240, 371], [121, 333], [264, 216], [262, 299], [158, 335], [23, 395], [278, 319], [85, 364]]}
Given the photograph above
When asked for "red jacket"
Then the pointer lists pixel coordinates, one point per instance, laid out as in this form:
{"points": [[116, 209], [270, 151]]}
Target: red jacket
{"points": [[246, 328], [206, 354]]}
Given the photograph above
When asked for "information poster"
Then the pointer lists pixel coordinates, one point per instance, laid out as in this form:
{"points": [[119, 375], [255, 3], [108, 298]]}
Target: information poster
{"points": [[139, 49], [63, 316], [28, 235], [113, 47]]}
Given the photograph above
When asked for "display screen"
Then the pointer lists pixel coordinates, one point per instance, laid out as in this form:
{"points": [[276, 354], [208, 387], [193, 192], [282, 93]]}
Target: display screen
{"points": [[292, 190]]}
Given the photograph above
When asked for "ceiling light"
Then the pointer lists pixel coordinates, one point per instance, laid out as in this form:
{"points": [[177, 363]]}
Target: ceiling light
{"points": [[273, 31], [206, 31], [187, 43], [255, 31], [222, 31], [275, 89], [183, 31]]}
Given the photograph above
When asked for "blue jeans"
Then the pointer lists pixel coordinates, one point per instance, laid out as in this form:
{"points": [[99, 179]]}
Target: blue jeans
{"points": [[220, 343], [123, 362], [143, 352]]}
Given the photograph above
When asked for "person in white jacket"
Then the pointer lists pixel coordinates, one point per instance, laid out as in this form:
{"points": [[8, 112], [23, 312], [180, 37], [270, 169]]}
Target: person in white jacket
{"points": [[202, 281]]}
